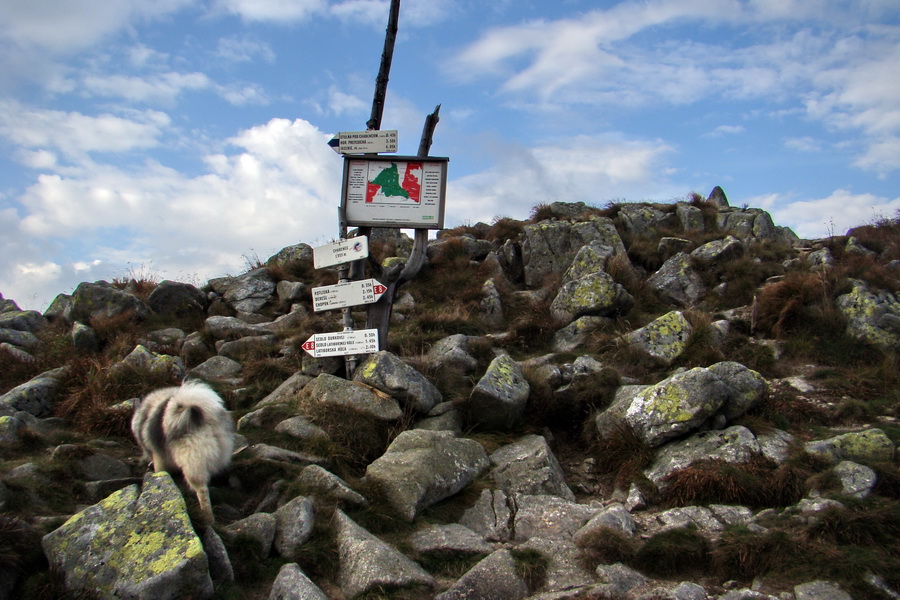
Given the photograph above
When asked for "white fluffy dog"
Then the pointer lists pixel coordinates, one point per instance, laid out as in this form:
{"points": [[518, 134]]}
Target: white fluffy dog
{"points": [[186, 428]]}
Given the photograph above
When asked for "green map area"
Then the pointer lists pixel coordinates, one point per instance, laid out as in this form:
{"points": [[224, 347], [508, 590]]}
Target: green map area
{"points": [[389, 182]]}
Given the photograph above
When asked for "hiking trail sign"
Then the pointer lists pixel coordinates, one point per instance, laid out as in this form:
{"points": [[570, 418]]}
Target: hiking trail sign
{"points": [[350, 293], [364, 142], [344, 251], [362, 341]]}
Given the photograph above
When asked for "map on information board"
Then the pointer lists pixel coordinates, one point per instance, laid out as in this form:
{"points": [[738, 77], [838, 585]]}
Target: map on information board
{"points": [[395, 191]]}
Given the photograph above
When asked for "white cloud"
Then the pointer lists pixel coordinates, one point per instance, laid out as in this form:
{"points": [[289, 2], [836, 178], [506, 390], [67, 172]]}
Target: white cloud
{"points": [[599, 170], [832, 215], [75, 134], [274, 10], [161, 88], [803, 144], [280, 187], [244, 49], [723, 130]]}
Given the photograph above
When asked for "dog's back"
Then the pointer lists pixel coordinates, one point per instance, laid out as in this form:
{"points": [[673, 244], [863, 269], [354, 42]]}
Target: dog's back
{"points": [[185, 428]]}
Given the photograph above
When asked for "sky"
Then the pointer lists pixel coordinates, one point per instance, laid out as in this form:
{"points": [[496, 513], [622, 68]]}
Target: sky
{"points": [[187, 139]]}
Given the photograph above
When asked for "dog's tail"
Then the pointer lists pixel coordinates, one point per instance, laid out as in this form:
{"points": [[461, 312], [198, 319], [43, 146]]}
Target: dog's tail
{"points": [[195, 404]]}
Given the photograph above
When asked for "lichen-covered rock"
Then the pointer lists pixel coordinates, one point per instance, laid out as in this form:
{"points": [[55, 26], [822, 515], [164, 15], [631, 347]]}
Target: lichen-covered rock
{"points": [[719, 250], [594, 294], [734, 445], [232, 328], [549, 517], [22, 320], [820, 590], [549, 247], [641, 220], [365, 562], [718, 198], [134, 544], [873, 316], [528, 466], [664, 338], [578, 331], [490, 308], [499, 398], [422, 467], [591, 258], [746, 388], [495, 577], [747, 223], [10, 428], [298, 253], [856, 480], [142, 360], [24, 340], [676, 405], [677, 282], [386, 372], [869, 445], [614, 517], [219, 370], [101, 300], [690, 217]]}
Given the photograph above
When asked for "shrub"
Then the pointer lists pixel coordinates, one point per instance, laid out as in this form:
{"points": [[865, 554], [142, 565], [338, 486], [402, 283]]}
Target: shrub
{"points": [[605, 546], [674, 552], [621, 453]]}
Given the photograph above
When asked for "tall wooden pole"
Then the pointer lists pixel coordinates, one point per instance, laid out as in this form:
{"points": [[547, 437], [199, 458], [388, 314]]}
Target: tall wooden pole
{"points": [[384, 70]]}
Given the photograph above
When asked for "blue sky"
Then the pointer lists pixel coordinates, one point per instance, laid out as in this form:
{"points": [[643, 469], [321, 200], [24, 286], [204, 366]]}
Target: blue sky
{"points": [[180, 139]]}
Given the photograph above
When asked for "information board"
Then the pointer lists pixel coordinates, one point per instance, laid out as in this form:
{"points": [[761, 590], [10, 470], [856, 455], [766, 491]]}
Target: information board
{"points": [[394, 191]]}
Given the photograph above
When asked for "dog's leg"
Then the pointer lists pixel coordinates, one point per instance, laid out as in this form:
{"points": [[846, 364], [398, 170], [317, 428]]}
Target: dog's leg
{"points": [[202, 491], [159, 462]]}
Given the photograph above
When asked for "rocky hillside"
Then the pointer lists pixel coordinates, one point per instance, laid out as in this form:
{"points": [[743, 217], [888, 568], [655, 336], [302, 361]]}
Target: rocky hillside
{"points": [[639, 401]]}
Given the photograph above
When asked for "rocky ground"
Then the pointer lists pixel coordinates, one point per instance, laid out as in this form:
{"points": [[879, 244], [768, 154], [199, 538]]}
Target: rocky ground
{"points": [[642, 401]]}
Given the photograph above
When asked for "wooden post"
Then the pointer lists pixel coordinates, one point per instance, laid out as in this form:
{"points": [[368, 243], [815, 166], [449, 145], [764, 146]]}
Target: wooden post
{"points": [[384, 70]]}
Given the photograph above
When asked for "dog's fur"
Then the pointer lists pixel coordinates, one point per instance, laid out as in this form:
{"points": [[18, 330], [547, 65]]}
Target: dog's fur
{"points": [[186, 428]]}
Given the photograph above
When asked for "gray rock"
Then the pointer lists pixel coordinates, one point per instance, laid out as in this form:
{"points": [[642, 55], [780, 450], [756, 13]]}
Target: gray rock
{"points": [[746, 388], [328, 390], [291, 291], [452, 351], [615, 517], [595, 294], [641, 220], [24, 340], [443, 417], [733, 445], [856, 480], [386, 372], [491, 516], [494, 578], [267, 452], [195, 350], [664, 338], [775, 445], [366, 562], [35, 396], [444, 539], [22, 320], [292, 584], [302, 429], [298, 253], [259, 527], [100, 467], [294, 526], [691, 516], [175, 299], [7, 305], [549, 517], [249, 347], [251, 291], [732, 515], [676, 406], [422, 467], [718, 198], [232, 328], [591, 258], [564, 568], [317, 481], [820, 258], [820, 590], [99, 553], [219, 370], [288, 390], [490, 308], [620, 579], [10, 428], [141, 360], [220, 568], [100, 300], [499, 398], [677, 282], [528, 466]]}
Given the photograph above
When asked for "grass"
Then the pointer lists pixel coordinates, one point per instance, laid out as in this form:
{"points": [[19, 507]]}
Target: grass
{"points": [[621, 454], [605, 546], [681, 552]]}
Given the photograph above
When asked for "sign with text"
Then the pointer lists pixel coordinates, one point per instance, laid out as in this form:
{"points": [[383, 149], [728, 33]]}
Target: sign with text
{"points": [[350, 293], [340, 252], [394, 191], [363, 341], [367, 142]]}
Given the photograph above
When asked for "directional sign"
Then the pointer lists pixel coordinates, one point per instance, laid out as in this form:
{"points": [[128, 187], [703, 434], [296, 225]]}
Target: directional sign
{"points": [[341, 252], [363, 341], [350, 293], [364, 142]]}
